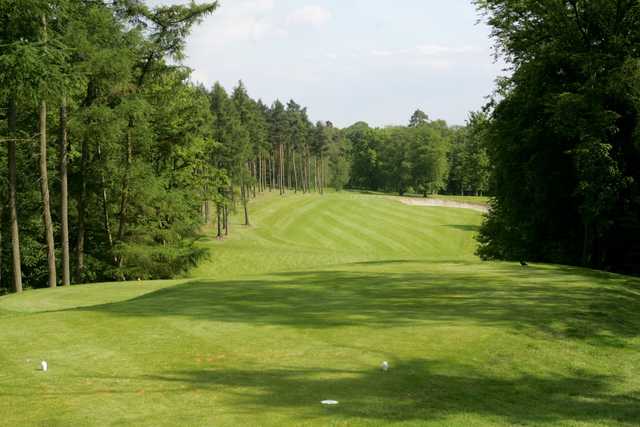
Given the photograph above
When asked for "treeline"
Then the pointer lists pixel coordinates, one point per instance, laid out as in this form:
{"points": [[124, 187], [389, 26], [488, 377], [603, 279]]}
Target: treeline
{"points": [[426, 157], [113, 159], [564, 135]]}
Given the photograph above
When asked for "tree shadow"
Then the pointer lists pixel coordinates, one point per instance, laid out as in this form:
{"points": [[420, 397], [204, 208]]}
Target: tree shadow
{"points": [[412, 390], [598, 307], [464, 227], [417, 389]]}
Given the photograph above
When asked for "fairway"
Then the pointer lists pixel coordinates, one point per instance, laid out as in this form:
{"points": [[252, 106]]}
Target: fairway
{"points": [[305, 305]]}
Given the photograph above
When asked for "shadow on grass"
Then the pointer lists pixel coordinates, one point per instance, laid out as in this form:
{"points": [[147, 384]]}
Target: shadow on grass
{"points": [[563, 303], [464, 227], [415, 389]]}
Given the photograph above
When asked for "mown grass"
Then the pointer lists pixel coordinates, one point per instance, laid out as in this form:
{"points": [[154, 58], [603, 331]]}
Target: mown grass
{"points": [[305, 305]]}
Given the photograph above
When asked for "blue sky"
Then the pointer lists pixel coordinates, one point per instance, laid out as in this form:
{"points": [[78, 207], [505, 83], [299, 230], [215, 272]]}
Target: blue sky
{"points": [[350, 60]]}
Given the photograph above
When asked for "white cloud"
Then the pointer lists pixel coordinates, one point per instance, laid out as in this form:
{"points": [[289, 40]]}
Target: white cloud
{"points": [[240, 21], [425, 51], [433, 50], [249, 7], [377, 52], [315, 16]]}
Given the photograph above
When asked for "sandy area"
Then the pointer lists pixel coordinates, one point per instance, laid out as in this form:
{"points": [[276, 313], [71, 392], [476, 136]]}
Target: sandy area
{"points": [[442, 203]]}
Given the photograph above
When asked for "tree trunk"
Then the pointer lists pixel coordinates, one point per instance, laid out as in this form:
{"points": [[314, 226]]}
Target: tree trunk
{"points": [[323, 172], [225, 214], [64, 196], [1, 260], [270, 172], [243, 194], [586, 253], [13, 212], [46, 201], [82, 196], [308, 166], [288, 170], [315, 174], [207, 212], [218, 221], [105, 203], [256, 175], [281, 168], [124, 201], [254, 168], [295, 172], [321, 175], [261, 172], [82, 202], [303, 171]]}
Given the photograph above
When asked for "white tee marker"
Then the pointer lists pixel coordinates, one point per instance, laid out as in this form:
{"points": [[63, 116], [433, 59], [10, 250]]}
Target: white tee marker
{"points": [[44, 366]]}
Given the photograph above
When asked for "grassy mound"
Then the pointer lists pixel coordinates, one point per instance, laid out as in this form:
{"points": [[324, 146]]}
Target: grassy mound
{"points": [[304, 306]]}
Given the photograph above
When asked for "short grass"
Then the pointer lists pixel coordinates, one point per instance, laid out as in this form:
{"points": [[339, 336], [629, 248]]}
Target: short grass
{"points": [[304, 306]]}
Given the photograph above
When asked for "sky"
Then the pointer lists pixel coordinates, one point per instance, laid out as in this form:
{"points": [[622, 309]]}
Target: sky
{"points": [[350, 60]]}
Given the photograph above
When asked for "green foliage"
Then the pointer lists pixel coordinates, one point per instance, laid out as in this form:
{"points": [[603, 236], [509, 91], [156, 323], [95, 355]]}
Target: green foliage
{"points": [[418, 118], [338, 153], [137, 207], [397, 159], [149, 152], [470, 166], [563, 139]]}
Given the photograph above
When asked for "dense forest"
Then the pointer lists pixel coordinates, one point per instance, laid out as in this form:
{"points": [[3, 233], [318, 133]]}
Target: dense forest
{"points": [[113, 159], [426, 157], [564, 134]]}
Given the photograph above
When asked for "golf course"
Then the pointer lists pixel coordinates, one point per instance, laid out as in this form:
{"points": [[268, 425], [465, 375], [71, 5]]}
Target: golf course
{"points": [[304, 305]]}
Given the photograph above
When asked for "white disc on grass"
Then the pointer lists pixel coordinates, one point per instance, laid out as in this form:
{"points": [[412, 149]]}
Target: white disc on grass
{"points": [[329, 402]]}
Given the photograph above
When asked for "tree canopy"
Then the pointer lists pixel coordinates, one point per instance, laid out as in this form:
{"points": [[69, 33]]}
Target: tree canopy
{"points": [[564, 133]]}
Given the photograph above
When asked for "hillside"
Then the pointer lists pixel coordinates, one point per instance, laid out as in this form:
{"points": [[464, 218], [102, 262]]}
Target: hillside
{"points": [[304, 305]]}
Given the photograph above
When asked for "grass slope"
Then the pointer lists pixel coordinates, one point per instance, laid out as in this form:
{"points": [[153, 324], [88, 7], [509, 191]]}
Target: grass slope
{"points": [[304, 306]]}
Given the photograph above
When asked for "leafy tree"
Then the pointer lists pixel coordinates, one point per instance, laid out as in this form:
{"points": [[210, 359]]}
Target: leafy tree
{"points": [[468, 158], [339, 162], [563, 139], [418, 118], [400, 159], [141, 152]]}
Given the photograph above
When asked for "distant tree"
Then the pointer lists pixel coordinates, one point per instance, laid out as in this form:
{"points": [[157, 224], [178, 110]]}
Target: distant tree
{"points": [[339, 163], [475, 160], [418, 118], [279, 135], [431, 167], [365, 162], [242, 143], [457, 174]]}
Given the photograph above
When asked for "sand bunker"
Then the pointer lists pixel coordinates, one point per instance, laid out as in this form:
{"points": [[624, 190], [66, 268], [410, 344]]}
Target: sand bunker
{"points": [[443, 203]]}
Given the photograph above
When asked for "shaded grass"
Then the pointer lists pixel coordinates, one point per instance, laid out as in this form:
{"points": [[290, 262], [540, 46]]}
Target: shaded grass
{"points": [[305, 305], [394, 293]]}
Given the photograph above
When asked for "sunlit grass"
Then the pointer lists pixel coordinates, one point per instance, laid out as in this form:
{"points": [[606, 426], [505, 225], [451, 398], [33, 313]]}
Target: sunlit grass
{"points": [[305, 305]]}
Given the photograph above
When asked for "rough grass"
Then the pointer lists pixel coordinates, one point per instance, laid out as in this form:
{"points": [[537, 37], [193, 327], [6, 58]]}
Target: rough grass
{"points": [[304, 306]]}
